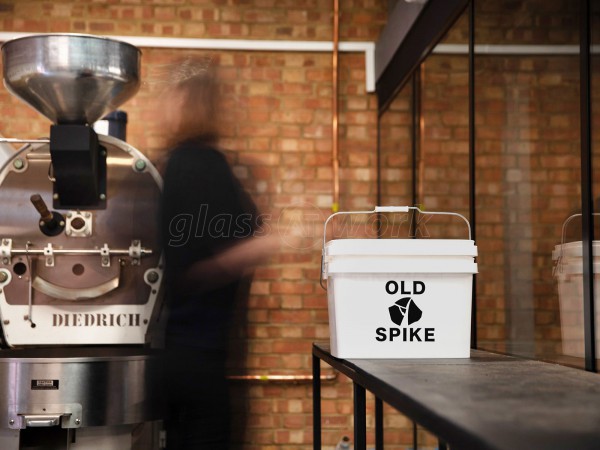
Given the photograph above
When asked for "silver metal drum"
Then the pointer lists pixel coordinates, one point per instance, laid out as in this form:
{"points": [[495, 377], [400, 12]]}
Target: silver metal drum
{"points": [[79, 387], [64, 390], [71, 78]]}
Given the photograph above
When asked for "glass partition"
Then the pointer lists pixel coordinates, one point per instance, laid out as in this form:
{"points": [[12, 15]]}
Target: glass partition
{"points": [[424, 143], [528, 184], [443, 150], [526, 151], [396, 162]]}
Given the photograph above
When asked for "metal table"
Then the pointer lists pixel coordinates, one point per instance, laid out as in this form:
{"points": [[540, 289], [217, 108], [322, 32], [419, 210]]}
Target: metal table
{"points": [[489, 401]]}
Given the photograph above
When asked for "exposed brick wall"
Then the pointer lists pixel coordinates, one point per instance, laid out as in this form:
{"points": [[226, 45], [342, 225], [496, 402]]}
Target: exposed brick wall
{"points": [[231, 19], [277, 135]]}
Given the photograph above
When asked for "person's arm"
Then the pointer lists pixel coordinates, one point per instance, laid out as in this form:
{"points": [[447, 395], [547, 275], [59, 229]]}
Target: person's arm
{"points": [[228, 265]]}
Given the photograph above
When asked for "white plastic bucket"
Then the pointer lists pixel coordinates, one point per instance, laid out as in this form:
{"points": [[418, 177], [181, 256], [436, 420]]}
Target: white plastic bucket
{"points": [[568, 271], [399, 298]]}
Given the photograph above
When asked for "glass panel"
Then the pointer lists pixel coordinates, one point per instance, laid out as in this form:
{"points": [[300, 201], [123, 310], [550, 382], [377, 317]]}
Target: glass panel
{"points": [[595, 127], [443, 156], [528, 178], [396, 161]]}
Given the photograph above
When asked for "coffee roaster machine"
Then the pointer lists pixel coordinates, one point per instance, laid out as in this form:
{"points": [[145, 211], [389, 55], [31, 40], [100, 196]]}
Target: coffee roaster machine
{"points": [[80, 263]]}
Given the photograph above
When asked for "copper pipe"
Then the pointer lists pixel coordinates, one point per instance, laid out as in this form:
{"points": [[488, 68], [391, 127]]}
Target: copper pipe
{"points": [[421, 145], [335, 113], [282, 378]]}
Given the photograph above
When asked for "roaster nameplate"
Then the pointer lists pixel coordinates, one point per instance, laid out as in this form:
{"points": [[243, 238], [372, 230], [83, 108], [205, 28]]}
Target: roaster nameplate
{"points": [[44, 385]]}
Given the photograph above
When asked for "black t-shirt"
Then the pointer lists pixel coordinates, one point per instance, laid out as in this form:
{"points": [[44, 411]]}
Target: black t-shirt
{"points": [[204, 209]]}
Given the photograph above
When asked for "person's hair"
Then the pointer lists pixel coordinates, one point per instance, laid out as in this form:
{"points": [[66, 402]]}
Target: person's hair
{"points": [[197, 83]]}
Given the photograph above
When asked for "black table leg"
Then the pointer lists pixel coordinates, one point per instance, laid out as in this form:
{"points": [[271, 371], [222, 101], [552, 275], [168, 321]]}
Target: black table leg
{"points": [[316, 372], [378, 424], [360, 418], [415, 435]]}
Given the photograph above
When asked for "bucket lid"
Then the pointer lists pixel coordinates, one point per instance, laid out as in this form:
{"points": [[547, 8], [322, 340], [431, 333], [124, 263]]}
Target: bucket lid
{"points": [[573, 250], [401, 247]]}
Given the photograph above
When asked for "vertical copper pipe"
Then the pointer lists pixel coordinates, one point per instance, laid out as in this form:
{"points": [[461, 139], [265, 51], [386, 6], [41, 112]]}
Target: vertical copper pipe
{"points": [[335, 113], [421, 146]]}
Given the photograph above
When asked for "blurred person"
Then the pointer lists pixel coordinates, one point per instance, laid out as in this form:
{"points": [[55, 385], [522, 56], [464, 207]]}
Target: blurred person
{"points": [[209, 234]]}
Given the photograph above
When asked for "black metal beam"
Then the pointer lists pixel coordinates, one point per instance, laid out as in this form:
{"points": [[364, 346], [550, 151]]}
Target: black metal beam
{"points": [[436, 17]]}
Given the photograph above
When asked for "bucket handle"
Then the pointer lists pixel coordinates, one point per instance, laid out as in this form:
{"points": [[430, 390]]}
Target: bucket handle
{"points": [[559, 261], [381, 209]]}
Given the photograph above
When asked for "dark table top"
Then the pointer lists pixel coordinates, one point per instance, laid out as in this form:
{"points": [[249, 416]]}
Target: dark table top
{"points": [[489, 401]]}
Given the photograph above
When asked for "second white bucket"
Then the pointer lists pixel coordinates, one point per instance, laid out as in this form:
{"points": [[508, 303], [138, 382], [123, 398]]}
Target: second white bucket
{"points": [[568, 272], [399, 298]]}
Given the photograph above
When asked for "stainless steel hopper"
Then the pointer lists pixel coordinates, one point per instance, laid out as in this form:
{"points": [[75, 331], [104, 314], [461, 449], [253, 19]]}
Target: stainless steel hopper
{"points": [[71, 78]]}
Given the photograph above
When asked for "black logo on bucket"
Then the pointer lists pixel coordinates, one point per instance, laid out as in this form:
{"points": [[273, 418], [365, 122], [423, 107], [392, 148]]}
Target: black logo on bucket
{"points": [[405, 308], [405, 312]]}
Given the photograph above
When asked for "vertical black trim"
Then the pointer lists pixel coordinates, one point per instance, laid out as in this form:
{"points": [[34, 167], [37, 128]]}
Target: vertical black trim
{"points": [[586, 188], [378, 424], [472, 210], [316, 373]]}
